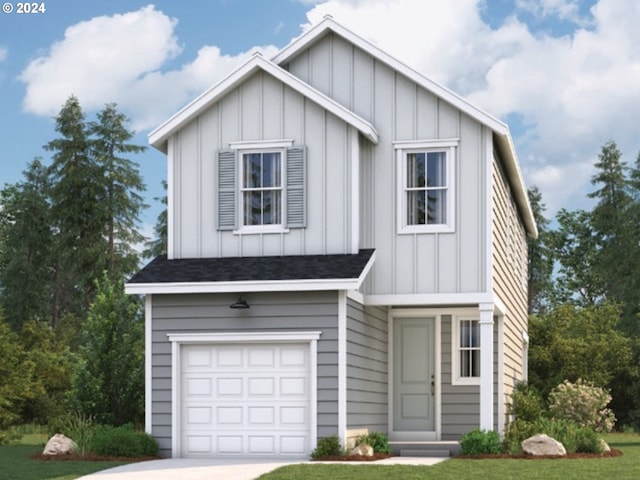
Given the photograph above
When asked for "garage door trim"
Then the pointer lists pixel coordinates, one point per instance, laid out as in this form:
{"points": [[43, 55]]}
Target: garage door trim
{"points": [[179, 339]]}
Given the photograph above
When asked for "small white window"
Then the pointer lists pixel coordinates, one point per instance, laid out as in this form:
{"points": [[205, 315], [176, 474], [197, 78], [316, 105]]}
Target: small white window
{"points": [[261, 188], [425, 190], [465, 351]]}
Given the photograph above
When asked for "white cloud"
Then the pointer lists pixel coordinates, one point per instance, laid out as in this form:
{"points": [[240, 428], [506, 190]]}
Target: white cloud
{"points": [[120, 59], [3, 53], [572, 92]]}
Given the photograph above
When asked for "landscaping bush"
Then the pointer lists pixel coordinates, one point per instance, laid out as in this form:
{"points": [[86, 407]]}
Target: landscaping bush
{"points": [[378, 441], [575, 438], [526, 403], [328, 447], [478, 442], [123, 441], [79, 428], [517, 431], [583, 403]]}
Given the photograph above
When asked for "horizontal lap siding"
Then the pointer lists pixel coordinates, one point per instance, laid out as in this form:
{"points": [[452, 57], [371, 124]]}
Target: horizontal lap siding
{"points": [[460, 404], [509, 276], [367, 367], [316, 311]]}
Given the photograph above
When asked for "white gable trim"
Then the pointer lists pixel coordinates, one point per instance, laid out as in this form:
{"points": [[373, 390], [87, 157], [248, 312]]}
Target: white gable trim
{"points": [[462, 104], [159, 137]]}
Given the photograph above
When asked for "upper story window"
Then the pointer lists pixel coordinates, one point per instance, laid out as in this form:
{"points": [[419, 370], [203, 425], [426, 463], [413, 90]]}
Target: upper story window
{"points": [[261, 187], [425, 190]]}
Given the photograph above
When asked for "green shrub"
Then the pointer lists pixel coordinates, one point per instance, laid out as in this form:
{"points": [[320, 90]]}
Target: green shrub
{"points": [[526, 403], [583, 403], [328, 447], [123, 441], [517, 431], [478, 442], [9, 437], [79, 428], [378, 441]]}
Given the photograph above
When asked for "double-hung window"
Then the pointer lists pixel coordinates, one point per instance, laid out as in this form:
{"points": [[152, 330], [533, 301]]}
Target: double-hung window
{"points": [[425, 190], [466, 350], [261, 187]]}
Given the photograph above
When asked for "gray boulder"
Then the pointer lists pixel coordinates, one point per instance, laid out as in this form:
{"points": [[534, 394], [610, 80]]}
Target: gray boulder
{"points": [[543, 445], [59, 445]]}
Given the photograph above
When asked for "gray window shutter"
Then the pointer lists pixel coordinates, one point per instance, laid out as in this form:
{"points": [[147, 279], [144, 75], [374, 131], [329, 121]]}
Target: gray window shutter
{"points": [[227, 196], [296, 173]]}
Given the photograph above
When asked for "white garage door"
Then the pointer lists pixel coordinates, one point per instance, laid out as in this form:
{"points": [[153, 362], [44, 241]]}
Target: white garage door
{"points": [[245, 400]]}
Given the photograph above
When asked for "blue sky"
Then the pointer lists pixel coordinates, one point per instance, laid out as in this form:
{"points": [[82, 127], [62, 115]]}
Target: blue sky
{"points": [[565, 74]]}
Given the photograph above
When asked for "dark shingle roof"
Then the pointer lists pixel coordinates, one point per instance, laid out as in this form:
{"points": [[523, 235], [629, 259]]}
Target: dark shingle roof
{"points": [[238, 269]]}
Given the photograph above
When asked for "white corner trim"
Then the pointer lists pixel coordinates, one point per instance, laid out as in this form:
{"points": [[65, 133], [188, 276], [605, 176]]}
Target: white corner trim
{"points": [[148, 366], [486, 366], [488, 223], [342, 367], [355, 191], [501, 376], [179, 339]]}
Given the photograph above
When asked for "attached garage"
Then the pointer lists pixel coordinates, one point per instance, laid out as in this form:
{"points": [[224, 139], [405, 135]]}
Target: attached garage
{"points": [[245, 394]]}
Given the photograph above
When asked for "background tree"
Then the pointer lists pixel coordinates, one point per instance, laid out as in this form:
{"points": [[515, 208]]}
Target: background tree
{"points": [[108, 380], [26, 253], [158, 246], [540, 258], [78, 213], [122, 189]]}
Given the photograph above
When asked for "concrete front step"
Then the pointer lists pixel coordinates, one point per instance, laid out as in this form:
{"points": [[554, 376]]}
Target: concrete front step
{"points": [[424, 449]]}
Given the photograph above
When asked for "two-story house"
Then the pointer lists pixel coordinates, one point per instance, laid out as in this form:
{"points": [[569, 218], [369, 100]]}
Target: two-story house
{"points": [[346, 251]]}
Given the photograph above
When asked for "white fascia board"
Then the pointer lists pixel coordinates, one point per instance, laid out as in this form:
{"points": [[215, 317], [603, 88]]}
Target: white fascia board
{"points": [[158, 137], [429, 299], [317, 31], [248, 286]]}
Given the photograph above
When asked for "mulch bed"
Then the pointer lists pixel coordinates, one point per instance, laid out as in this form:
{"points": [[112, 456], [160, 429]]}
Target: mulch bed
{"points": [[523, 456], [88, 458]]}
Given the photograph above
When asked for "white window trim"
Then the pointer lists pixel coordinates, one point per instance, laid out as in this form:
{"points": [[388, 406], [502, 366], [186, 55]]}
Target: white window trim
{"points": [[456, 379], [261, 146], [402, 148], [179, 339]]}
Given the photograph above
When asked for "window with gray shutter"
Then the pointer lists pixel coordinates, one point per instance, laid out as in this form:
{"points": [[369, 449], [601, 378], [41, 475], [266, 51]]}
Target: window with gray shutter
{"points": [[227, 196], [296, 207]]}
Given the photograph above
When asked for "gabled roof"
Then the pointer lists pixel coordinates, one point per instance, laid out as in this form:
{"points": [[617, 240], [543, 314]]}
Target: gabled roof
{"points": [[243, 274], [159, 137], [499, 128]]}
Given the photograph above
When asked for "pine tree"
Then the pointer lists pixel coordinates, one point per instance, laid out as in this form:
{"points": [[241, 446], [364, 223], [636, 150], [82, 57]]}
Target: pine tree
{"points": [[78, 207], [26, 248], [540, 267], [158, 246], [122, 189]]}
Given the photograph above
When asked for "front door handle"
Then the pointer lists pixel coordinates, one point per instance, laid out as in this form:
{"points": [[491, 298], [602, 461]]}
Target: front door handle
{"points": [[433, 386]]}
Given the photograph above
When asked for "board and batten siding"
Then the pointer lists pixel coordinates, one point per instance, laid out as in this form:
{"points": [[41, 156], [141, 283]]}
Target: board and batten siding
{"points": [[367, 367], [401, 110], [509, 275], [261, 109], [210, 313]]}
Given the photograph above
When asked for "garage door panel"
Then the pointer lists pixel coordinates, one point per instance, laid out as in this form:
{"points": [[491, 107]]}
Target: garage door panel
{"points": [[249, 400]]}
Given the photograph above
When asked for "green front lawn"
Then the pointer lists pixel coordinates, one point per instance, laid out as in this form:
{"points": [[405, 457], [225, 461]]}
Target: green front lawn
{"points": [[16, 464], [620, 468]]}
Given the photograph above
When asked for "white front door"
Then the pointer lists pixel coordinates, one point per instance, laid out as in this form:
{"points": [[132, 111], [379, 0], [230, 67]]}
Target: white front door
{"points": [[245, 400], [414, 395]]}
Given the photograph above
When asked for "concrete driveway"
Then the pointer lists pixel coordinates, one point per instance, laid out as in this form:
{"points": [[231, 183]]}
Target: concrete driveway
{"points": [[222, 469]]}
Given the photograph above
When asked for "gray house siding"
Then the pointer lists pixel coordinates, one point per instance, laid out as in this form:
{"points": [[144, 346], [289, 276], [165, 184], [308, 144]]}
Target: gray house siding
{"points": [[367, 367], [261, 109], [401, 110], [291, 311]]}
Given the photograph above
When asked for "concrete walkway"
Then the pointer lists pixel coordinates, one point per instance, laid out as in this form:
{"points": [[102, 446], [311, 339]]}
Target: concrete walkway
{"points": [[222, 469]]}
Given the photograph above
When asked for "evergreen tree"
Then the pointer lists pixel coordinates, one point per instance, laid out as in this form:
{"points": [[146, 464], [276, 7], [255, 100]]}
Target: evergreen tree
{"points": [[78, 209], [540, 267], [122, 188], [26, 248], [158, 246]]}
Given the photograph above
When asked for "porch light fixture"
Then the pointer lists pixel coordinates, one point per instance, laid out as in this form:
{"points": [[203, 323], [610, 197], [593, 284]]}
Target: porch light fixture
{"points": [[241, 304]]}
